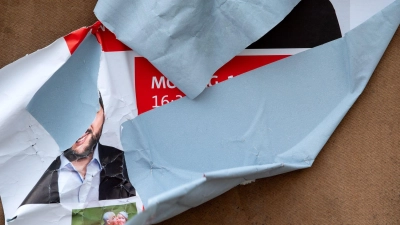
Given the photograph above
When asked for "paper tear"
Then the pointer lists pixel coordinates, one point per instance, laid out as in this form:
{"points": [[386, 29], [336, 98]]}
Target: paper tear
{"points": [[247, 182], [304, 102], [213, 25]]}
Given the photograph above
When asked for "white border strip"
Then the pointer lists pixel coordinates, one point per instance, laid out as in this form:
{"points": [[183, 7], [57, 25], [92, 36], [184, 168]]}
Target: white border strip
{"points": [[270, 51], [273, 51]]}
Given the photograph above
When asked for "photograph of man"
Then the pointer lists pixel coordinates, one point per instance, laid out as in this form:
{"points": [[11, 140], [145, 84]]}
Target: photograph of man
{"points": [[88, 171]]}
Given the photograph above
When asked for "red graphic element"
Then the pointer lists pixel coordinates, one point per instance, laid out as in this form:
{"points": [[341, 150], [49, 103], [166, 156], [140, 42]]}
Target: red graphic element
{"points": [[244, 63], [74, 38], [154, 90], [107, 39]]}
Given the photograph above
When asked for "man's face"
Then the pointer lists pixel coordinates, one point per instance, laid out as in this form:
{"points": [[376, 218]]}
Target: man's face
{"points": [[111, 220], [84, 145]]}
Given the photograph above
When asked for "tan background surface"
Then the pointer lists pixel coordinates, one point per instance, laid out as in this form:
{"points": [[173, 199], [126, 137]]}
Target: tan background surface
{"points": [[354, 180]]}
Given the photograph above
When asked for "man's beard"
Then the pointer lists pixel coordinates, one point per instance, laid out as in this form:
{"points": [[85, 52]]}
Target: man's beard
{"points": [[73, 155]]}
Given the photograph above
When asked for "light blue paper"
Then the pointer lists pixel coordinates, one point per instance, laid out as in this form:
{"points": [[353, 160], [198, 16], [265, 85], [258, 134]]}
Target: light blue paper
{"points": [[189, 40], [67, 103], [266, 122]]}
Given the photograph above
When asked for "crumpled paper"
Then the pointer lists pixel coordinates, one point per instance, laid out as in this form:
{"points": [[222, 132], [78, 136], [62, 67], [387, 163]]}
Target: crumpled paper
{"points": [[66, 104], [269, 121], [189, 40]]}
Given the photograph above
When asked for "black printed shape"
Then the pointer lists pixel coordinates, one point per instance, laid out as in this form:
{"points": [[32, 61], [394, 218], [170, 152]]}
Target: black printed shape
{"points": [[114, 180], [309, 24]]}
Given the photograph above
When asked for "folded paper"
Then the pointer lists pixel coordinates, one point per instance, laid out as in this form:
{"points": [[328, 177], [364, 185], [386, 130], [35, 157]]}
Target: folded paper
{"points": [[174, 151], [69, 98], [189, 40], [269, 121]]}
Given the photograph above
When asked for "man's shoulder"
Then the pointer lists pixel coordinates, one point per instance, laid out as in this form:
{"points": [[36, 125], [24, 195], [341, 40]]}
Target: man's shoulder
{"points": [[45, 190], [110, 149], [109, 154], [55, 164]]}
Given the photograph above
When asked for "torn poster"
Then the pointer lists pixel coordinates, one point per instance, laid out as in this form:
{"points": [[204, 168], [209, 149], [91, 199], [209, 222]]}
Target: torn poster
{"points": [[215, 31], [88, 180], [268, 121], [209, 34], [169, 158]]}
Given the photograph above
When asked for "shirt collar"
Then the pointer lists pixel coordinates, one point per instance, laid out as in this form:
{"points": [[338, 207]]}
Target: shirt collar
{"points": [[96, 156], [65, 162]]}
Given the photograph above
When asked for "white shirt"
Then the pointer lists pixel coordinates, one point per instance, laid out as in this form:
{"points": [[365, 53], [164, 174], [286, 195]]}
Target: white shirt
{"points": [[72, 187]]}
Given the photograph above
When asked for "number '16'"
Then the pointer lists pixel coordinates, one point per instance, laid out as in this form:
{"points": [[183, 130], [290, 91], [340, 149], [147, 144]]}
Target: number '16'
{"points": [[164, 100]]}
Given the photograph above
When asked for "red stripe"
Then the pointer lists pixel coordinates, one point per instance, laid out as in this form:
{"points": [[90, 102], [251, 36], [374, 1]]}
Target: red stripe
{"points": [[75, 38], [107, 39]]}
